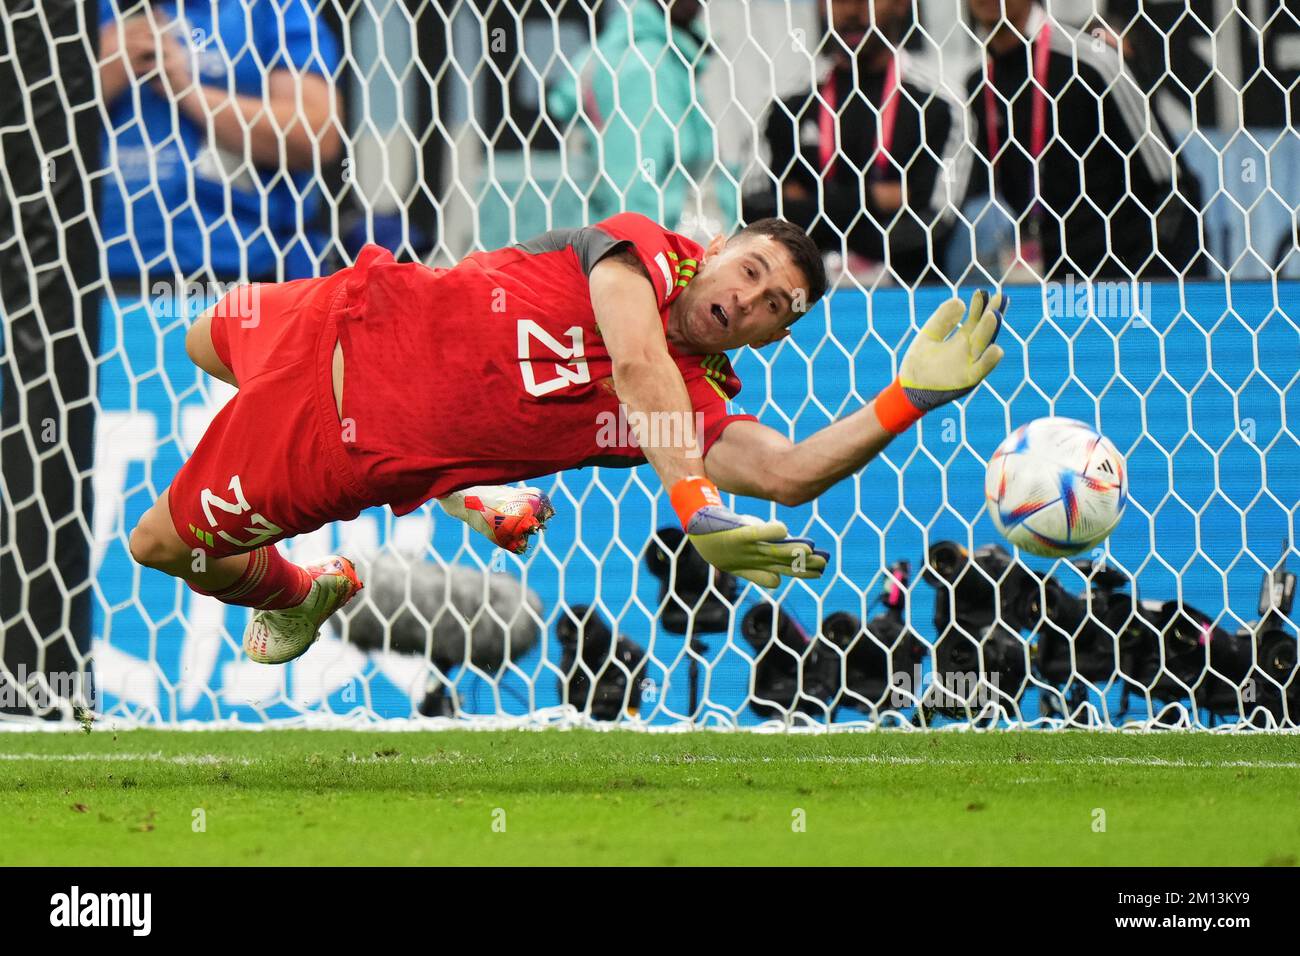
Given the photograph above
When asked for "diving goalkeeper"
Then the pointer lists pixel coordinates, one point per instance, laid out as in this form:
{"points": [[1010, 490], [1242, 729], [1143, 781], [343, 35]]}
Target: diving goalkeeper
{"points": [[394, 383]]}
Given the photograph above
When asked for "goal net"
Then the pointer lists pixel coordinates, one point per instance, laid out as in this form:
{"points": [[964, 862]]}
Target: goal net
{"points": [[158, 154]]}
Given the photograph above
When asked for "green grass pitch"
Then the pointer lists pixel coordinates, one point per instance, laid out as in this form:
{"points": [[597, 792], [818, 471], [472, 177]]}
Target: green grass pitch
{"points": [[579, 797]]}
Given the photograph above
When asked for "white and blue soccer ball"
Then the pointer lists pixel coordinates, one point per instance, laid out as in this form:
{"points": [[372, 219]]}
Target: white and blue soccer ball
{"points": [[1056, 487]]}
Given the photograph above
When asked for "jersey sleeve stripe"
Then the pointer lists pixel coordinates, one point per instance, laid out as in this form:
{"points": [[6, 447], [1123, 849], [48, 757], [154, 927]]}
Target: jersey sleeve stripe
{"points": [[716, 387]]}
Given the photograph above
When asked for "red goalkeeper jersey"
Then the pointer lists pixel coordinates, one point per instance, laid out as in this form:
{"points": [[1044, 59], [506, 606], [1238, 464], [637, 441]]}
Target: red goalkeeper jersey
{"points": [[494, 371]]}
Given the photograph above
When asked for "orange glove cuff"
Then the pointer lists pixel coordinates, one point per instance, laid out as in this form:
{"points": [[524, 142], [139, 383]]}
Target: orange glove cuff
{"points": [[690, 495], [895, 411]]}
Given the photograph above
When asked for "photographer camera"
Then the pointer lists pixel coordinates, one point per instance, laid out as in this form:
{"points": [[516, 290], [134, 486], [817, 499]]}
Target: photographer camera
{"points": [[693, 595], [1277, 689], [603, 676], [879, 653], [791, 670], [1083, 643], [979, 656]]}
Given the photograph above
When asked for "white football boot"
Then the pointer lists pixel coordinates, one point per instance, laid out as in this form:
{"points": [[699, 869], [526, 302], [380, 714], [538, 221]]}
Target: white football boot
{"points": [[503, 514], [277, 637]]}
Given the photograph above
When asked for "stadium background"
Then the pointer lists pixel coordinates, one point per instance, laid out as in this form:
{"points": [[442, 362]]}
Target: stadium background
{"points": [[1204, 373], [1189, 522]]}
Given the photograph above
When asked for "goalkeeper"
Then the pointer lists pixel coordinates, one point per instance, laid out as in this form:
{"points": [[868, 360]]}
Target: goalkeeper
{"points": [[394, 383]]}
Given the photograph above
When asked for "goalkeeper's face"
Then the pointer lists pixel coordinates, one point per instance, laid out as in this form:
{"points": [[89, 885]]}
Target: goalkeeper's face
{"points": [[746, 292]]}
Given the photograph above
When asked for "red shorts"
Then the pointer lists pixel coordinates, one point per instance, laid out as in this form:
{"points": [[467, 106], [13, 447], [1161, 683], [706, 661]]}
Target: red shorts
{"points": [[273, 463]]}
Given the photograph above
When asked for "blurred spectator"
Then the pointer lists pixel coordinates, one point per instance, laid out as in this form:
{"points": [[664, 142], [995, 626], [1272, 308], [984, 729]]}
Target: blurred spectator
{"points": [[873, 158], [210, 106], [634, 98], [1109, 199]]}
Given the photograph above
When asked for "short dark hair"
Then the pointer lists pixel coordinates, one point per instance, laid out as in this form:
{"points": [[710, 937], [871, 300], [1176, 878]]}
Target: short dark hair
{"points": [[807, 257]]}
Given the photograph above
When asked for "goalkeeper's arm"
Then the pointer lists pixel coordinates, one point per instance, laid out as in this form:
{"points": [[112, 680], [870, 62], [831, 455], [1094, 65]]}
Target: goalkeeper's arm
{"points": [[940, 365], [650, 385], [645, 376]]}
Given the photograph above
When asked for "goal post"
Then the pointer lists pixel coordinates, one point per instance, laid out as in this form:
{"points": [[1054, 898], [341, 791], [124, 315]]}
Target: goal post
{"points": [[459, 125], [50, 287]]}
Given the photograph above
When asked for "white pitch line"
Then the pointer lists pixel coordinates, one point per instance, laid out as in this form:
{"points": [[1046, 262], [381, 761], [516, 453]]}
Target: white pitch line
{"points": [[879, 759], [888, 759], [183, 759], [1158, 762]]}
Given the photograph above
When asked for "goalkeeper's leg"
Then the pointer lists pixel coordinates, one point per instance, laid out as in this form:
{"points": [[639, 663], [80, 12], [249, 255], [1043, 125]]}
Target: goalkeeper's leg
{"points": [[291, 603], [271, 465], [155, 544]]}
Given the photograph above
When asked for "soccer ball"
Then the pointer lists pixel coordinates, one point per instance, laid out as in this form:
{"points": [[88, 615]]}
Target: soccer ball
{"points": [[1056, 487]]}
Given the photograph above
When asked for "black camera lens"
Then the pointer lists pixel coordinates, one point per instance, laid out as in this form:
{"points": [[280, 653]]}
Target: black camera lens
{"points": [[947, 558], [841, 629], [692, 595], [601, 672], [956, 651], [1277, 655]]}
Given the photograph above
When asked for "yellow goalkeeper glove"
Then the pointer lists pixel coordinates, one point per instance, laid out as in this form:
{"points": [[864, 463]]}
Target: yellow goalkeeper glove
{"points": [[942, 365], [758, 551]]}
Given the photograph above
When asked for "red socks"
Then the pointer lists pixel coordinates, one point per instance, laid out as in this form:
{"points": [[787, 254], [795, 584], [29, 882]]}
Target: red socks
{"points": [[268, 583]]}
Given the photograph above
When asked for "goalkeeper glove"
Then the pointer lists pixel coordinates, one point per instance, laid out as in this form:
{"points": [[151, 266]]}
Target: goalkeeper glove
{"points": [[758, 551], [939, 367]]}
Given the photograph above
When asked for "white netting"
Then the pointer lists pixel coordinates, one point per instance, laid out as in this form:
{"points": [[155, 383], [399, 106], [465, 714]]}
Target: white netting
{"points": [[271, 138]]}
